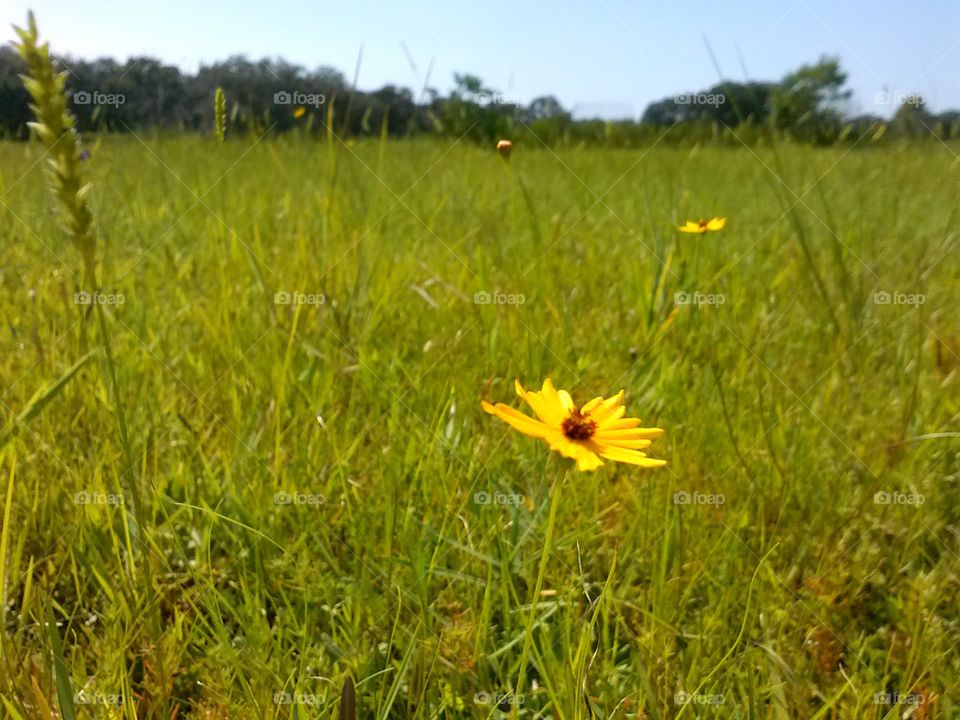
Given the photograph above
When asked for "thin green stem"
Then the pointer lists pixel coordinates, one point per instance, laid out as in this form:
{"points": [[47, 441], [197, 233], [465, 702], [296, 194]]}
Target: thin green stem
{"points": [[531, 617]]}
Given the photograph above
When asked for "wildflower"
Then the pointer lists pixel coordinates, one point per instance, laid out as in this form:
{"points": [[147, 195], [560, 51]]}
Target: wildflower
{"points": [[703, 226], [299, 112], [505, 147], [585, 434]]}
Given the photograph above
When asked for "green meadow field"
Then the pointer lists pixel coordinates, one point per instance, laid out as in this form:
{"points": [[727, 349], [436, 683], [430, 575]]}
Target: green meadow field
{"points": [[262, 474]]}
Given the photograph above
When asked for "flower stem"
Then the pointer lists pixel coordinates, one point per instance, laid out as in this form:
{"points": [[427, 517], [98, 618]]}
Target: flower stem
{"points": [[528, 633]]}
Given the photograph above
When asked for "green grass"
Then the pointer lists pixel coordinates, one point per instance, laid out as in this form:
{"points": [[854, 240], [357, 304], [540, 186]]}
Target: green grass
{"points": [[797, 400]]}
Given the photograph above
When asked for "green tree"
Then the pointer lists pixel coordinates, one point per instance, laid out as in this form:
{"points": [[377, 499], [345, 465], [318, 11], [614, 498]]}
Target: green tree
{"points": [[14, 99], [808, 102], [912, 118], [475, 110]]}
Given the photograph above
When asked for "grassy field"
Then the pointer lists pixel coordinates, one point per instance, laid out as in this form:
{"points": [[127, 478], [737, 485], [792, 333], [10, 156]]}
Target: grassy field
{"points": [[322, 497]]}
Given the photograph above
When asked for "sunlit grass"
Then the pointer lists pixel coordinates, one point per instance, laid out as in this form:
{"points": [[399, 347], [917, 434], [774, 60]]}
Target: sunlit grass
{"points": [[324, 496]]}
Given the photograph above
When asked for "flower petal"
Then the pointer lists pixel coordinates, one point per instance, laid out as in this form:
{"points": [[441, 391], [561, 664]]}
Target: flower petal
{"points": [[621, 424], [605, 409], [558, 399], [588, 462], [692, 227], [517, 420], [612, 417], [615, 436], [521, 391], [592, 405], [633, 457], [635, 444], [549, 412], [586, 457]]}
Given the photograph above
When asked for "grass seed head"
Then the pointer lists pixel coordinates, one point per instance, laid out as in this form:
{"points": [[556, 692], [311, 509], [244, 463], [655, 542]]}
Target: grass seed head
{"points": [[55, 126], [219, 114]]}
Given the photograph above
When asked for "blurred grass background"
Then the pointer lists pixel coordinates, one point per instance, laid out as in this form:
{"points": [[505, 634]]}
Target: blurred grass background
{"points": [[802, 396]]}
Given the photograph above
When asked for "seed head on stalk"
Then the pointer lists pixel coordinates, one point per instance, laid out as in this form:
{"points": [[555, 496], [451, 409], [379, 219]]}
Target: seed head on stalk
{"points": [[55, 126], [219, 114]]}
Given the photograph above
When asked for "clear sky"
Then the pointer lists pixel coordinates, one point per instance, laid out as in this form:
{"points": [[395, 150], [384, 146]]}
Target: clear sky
{"points": [[606, 57]]}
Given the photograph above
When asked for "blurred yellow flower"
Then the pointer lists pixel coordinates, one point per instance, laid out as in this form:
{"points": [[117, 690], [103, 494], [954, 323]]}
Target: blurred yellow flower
{"points": [[585, 434], [505, 147], [702, 226], [299, 112]]}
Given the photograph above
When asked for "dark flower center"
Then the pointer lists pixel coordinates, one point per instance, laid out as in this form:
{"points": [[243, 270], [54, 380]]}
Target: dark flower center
{"points": [[579, 426], [703, 223]]}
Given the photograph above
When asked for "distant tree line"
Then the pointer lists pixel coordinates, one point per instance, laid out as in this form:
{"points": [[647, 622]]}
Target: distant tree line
{"points": [[142, 93]]}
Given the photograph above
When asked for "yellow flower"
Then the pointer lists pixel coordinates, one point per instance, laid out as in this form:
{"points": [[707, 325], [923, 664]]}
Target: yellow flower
{"points": [[299, 112], [585, 434], [504, 147], [703, 226]]}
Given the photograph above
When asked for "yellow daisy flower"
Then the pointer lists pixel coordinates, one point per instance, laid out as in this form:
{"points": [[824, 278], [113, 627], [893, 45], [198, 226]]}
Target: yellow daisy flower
{"points": [[585, 434], [702, 226], [299, 112]]}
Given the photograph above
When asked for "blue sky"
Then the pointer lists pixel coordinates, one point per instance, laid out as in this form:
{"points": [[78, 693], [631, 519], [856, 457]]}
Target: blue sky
{"points": [[607, 57]]}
